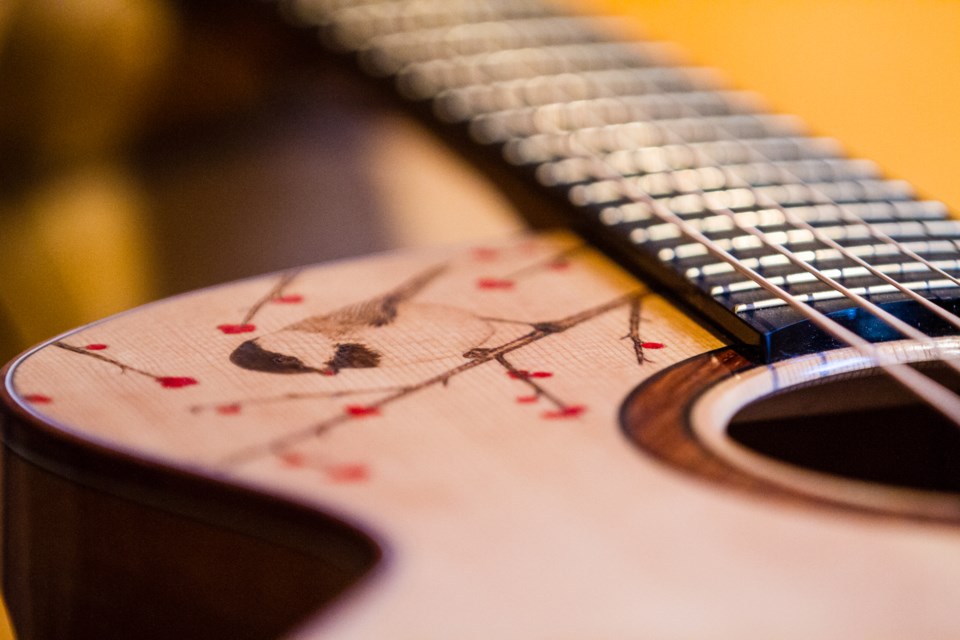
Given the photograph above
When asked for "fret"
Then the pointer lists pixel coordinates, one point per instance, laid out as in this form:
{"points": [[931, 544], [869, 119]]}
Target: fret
{"points": [[929, 287], [794, 238], [353, 26], [426, 79], [636, 136], [465, 103], [907, 271], [387, 54], [501, 126], [713, 177], [875, 253], [627, 139], [676, 157], [697, 208], [873, 211], [823, 214], [813, 171], [692, 206], [660, 186]]}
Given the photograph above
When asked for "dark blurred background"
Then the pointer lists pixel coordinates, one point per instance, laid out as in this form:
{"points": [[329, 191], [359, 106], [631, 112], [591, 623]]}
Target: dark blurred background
{"points": [[150, 147]]}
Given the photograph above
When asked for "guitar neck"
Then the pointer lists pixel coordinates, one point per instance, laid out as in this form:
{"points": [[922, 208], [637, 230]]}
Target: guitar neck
{"points": [[693, 187]]}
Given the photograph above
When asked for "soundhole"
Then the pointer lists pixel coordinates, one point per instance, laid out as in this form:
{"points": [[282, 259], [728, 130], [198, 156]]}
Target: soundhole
{"points": [[866, 428]]}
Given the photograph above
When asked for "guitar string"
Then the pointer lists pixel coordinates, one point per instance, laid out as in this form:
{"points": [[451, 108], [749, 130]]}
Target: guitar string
{"points": [[455, 58], [891, 320], [942, 398], [932, 392], [823, 238], [905, 329], [938, 396], [788, 216], [788, 177], [845, 212], [764, 200], [791, 219]]}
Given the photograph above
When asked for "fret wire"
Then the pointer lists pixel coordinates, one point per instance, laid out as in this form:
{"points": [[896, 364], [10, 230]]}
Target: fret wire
{"points": [[902, 327], [803, 224], [426, 79], [767, 218], [356, 25], [928, 389], [826, 255], [939, 311], [668, 131], [823, 238], [387, 54], [501, 126], [899, 325], [833, 294], [465, 103], [660, 158], [790, 238], [846, 273], [741, 197], [813, 169], [638, 136]]}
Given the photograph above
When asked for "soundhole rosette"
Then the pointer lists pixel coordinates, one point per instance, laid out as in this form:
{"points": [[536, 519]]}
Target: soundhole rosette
{"points": [[833, 427]]}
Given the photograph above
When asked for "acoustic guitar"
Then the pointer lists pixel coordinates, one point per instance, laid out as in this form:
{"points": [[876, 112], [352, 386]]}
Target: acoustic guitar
{"points": [[755, 437]]}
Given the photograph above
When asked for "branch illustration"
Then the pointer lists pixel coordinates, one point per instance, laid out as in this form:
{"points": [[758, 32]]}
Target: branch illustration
{"points": [[274, 294], [476, 357], [168, 382]]}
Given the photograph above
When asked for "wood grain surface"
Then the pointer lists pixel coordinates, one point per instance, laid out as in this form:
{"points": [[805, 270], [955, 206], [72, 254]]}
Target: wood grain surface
{"points": [[483, 450]]}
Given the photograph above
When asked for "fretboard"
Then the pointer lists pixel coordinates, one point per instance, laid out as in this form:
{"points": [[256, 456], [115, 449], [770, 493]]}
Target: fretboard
{"points": [[663, 168]]}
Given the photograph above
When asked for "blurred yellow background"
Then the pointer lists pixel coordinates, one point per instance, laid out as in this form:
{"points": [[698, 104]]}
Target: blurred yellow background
{"points": [[878, 75]]}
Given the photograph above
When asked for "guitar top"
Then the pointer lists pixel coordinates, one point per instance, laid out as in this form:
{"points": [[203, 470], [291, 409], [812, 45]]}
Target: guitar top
{"points": [[474, 434], [436, 443]]}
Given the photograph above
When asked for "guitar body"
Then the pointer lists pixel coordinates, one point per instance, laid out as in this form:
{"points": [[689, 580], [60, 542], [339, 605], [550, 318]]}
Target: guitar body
{"points": [[517, 439], [422, 445]]}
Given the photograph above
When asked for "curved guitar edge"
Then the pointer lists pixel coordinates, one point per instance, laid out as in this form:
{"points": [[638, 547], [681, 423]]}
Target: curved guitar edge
{"points": [[655, 417], [100, 544]]}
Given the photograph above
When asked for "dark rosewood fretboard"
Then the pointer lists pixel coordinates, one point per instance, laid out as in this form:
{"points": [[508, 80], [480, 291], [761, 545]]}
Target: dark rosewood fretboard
{"points": [[620, 136]]}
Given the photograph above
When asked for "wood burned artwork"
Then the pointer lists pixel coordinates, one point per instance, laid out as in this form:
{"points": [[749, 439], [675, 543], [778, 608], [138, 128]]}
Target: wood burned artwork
{"points": [[360, 352]]}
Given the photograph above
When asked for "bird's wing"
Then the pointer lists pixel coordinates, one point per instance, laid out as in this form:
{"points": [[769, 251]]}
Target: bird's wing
{"points": [[379, 311]]}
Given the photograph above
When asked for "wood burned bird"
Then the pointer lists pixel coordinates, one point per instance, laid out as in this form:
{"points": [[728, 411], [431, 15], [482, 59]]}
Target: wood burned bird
{"points": [[389, 330]]}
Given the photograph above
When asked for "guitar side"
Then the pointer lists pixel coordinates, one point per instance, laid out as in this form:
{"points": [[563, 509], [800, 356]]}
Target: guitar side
{"points": [[462, 407], [99, 544]]}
